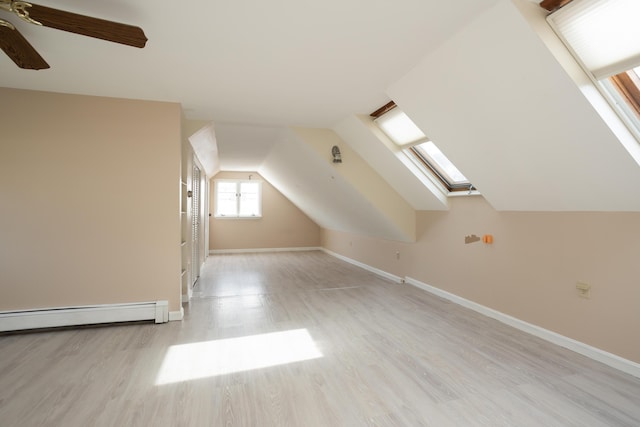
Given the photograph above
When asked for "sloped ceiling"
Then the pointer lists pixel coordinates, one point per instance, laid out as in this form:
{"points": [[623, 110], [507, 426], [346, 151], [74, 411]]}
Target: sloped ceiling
{"points": [[472, 73], [386, 158], [202, 137], [330, 200], [297, 161], [500, 106], [243, 147]]}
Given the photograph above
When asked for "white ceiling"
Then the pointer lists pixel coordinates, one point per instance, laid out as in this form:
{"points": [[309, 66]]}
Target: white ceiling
{"points": [[285, 62], [474, 74]]}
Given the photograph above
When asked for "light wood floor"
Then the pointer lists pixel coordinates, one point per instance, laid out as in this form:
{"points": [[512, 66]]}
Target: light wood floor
{"points": [[391, 355]]}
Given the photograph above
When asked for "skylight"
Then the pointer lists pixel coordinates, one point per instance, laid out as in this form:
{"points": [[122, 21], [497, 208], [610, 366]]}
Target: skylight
{"points": [[400, 129], [603, 36]]}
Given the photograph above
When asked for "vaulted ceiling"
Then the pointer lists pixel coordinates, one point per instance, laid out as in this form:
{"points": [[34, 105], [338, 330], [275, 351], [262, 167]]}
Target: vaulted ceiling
{"points": [[485, 79]]}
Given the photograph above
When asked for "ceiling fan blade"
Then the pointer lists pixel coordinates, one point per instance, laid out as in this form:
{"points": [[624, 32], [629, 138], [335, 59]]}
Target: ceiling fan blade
{"points": [[86, 25], [19, 49]]}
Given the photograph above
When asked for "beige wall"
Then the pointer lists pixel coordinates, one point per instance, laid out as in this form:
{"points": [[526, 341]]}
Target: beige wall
{"points": [[89, 205], [282, 225], [530, 270]]}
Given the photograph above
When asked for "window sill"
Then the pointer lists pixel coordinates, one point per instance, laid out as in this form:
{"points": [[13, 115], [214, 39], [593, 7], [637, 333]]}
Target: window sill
{"points": [[464, 193]]}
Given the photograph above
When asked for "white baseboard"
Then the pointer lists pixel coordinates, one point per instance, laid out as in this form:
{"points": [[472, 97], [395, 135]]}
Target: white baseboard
{"points": [[374, 270], [83, 315], [246, 251], [176, 315], [594, 353], [187, 297], [162, 311]]}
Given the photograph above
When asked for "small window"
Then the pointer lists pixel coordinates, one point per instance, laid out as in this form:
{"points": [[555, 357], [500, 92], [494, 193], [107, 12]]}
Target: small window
{"points": [[238, 199], [423, 152]]}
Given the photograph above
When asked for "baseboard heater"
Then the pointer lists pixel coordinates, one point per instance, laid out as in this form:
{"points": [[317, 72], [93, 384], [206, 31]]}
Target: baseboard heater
{"points": [[18, 320]]}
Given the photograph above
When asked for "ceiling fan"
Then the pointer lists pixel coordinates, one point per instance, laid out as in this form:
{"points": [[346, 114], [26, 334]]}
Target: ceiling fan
{"points": [[25, 56]]}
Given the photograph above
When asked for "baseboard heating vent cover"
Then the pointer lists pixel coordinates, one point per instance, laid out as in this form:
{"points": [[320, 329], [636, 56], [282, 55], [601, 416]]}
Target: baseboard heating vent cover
{"points": [[157, 311]]}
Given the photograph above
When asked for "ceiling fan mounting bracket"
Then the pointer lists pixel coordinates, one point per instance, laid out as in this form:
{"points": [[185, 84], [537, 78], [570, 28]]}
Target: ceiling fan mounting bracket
{"points": [[20, 8], [7, 24]]}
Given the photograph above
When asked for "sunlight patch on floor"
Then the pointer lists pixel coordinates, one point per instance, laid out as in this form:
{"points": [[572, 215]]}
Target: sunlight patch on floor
{"points": [[206, 359]]}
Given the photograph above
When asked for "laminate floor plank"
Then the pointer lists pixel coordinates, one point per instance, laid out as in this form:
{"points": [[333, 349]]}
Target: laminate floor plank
{"points": [[304, 339]]}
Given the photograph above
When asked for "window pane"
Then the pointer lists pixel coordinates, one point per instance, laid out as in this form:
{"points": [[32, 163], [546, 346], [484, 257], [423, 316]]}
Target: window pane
{"points": [[438, 160], [249, 199], [226, 201]]}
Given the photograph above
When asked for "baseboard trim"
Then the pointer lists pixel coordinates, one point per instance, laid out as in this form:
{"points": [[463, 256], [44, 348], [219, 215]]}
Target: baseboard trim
{"points": [[610, 359], [176, 315], [157, 311], [187, 297], [246, 251], [367, 267]]}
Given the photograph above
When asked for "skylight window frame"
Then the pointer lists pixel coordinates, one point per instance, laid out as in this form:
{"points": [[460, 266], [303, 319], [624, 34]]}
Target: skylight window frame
{"points": [[428, 166]]}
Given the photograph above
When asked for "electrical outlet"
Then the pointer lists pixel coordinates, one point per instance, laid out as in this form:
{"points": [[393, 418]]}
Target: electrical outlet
{"points": [[584, 290]]}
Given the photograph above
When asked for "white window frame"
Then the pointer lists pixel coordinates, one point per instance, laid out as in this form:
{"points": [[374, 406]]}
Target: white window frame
{"points": [[411, 136], [239, 199]]}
